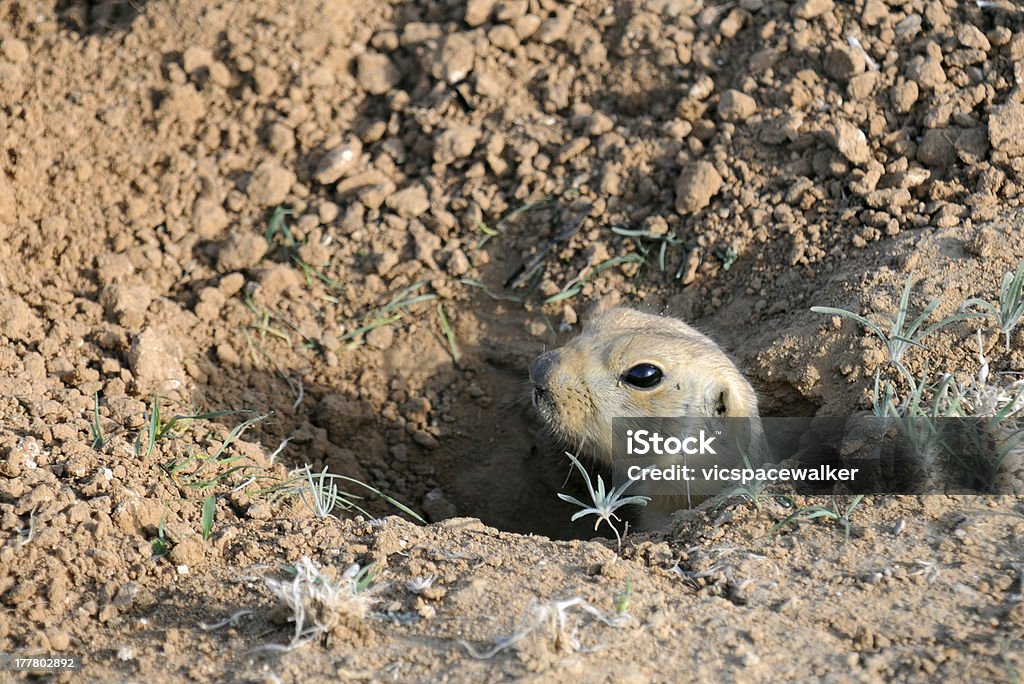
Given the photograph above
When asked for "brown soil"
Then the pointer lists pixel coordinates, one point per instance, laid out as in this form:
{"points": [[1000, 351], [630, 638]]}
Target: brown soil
{"points": [[776, 155]]}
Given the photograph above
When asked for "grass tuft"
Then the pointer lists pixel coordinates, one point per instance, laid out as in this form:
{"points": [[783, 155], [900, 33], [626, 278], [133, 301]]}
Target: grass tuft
{"points": [[901, 335], [320, 603], [1009, 310], [322, 495]]}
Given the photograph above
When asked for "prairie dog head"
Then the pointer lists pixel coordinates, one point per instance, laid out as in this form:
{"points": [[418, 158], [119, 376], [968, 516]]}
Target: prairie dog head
{"points": [[626, 363]]}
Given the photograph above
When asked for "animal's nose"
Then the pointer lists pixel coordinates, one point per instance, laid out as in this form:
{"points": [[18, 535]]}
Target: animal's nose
{"points": [[540, 369]]}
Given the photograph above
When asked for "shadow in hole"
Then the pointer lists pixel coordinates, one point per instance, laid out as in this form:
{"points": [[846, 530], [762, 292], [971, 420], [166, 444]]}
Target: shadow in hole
{"points": [[97, 17]]}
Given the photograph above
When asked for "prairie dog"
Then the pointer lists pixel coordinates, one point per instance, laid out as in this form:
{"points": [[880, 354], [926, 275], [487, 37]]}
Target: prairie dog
{"points": [[626, 363]]}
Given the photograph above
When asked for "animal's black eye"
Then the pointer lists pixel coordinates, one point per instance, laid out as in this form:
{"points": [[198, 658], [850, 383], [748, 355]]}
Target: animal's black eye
{"points": [[644, 376]]}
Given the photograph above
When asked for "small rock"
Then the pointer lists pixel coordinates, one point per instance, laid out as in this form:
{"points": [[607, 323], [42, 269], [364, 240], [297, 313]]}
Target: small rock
{"points": [[571, 149], [270, 184], [437, 507], [189, 552], [843, 62], [220, 75], [736, 106], [409, 202], [970, 36], [1006, 128], [454, 58], [15, 50], [598, 124], [781, 129], [209, 303], [183, 103], [692, 263], [972, 145], [338, 161], [478, 12], [455, 143], [697, 184], [503, 37], [385, 261], [280, 138], [375, 73], [555, 27], [266, 80], [903, 95], [126, 304], [155, 362], [426, 243], [982, 243], [231, 284], [241, 251], [888, 198], [208, 218], [936, 148], [809, 9], [196, 58], [458, 263], [927, 71], [851, 142], [381, 338], [18, 322]]}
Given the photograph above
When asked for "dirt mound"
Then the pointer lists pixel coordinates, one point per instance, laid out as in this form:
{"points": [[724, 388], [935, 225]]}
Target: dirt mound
{"points": [[357, 223]]}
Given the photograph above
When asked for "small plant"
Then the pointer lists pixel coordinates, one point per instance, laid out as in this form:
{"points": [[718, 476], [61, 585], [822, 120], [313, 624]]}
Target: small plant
{"points": [[156, 429], [159, 543], [205, 471], [621, 601], [748, 492], [663, 241], [420, 584], [389, 313], [26, 536], [729, 256], [814, 512], [320, 603], [604, 503], [446, 327], [98, 440], [209, 510], [550, 621], [278, 226], [320, 493], [1009, 311], [575, 286], [901, 335]]}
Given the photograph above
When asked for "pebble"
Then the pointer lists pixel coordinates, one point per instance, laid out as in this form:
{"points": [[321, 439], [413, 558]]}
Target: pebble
{"points": [[155, 361], [270, 183], [375, 73], [409, 202], [736, 106], [338, 161], [1006, 128], [241, 251], [697, 184], [455, 143], [454, 58], [851, 142]]}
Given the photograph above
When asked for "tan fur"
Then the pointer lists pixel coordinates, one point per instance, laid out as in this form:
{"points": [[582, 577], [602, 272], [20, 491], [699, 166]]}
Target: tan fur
{"points": [[579, 388]]}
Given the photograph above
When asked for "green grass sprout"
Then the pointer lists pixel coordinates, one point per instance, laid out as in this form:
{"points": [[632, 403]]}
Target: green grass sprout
{"points": [[449, 333], [1009, 310]]}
